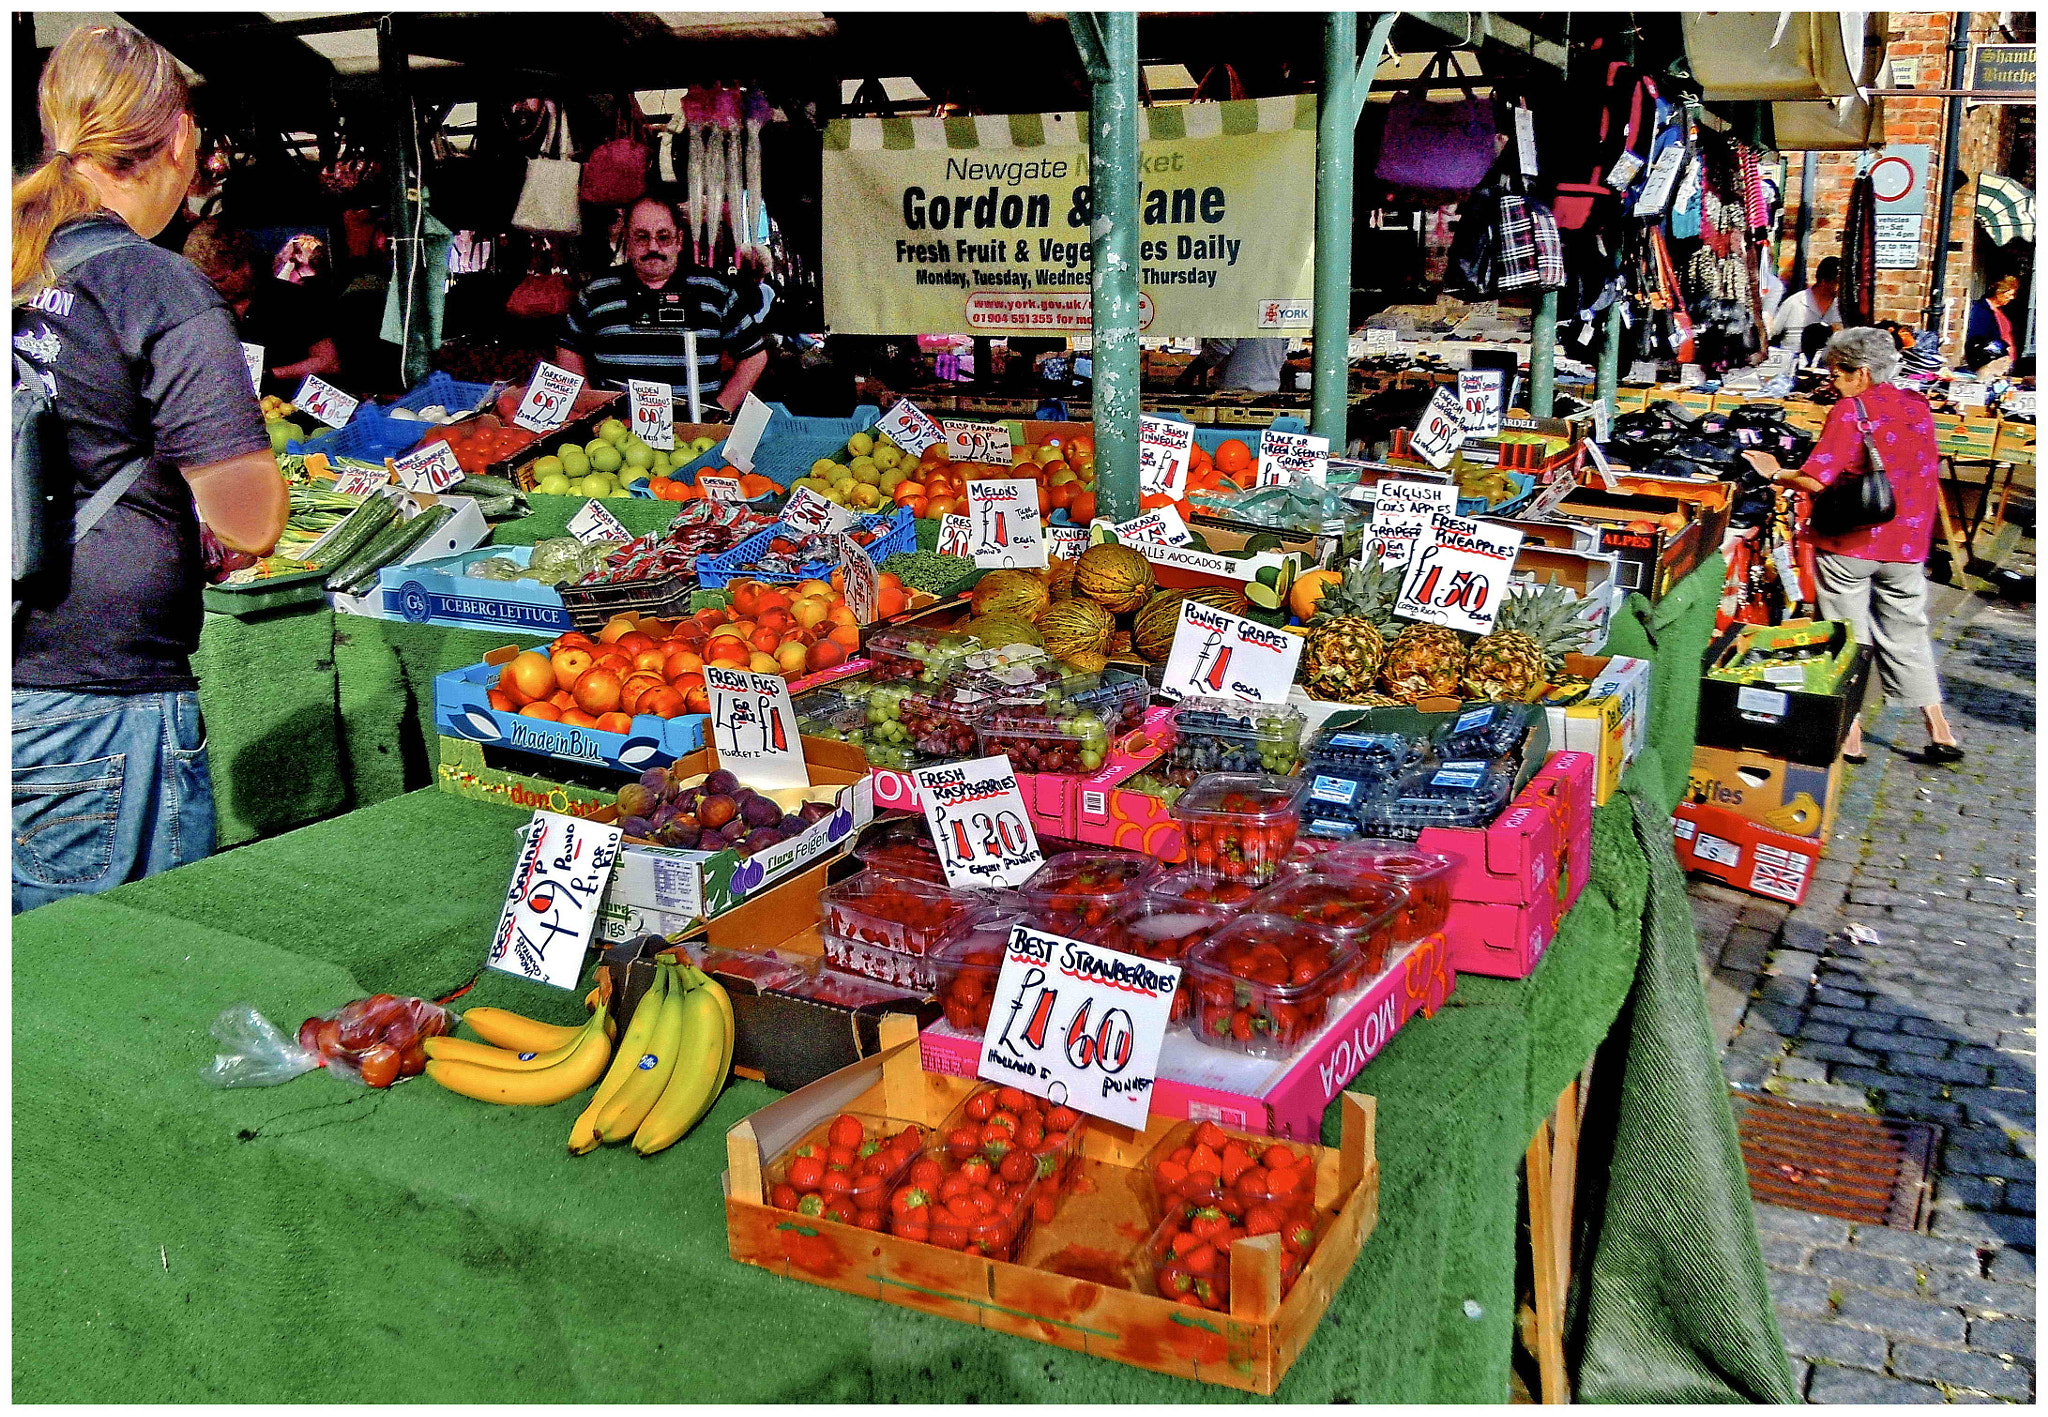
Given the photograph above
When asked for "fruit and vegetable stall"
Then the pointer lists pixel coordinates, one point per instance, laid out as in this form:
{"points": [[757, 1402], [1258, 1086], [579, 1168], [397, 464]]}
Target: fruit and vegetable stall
{"points": [[1388, 882]]}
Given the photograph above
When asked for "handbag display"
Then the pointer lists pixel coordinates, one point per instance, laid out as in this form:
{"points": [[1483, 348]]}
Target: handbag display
{"points": [[547, 202], [1438, 152], [616, 172], [1768, 56], [1854, 501], [545, 292]]}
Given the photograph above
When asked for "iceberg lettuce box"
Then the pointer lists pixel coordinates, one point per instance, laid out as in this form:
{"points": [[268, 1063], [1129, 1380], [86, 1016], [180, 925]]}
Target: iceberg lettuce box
{"points": [[461, 532], [442, 592], [462, 709], [657, 889]]}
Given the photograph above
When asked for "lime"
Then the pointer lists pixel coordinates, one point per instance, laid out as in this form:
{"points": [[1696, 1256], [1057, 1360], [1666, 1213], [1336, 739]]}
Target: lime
{"points": [[554, 484], [613, 431], [860, 445]]}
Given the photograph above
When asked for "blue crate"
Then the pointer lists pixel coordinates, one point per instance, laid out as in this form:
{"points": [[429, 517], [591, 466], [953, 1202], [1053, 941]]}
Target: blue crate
{"points": [[445, 390], [714, 571], [1525, 490], [369, 436], [789, 444]]}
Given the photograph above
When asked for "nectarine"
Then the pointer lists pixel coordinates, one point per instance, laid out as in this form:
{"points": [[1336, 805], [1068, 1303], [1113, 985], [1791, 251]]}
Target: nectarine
{"points": [[570, 664], [662, 703], [530, 674], [615, 722], [577, 718], [546, 711], [597, 692]]}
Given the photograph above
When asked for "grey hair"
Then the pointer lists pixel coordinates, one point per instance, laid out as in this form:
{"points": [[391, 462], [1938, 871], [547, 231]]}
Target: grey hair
{"points": [[1863, 347]]}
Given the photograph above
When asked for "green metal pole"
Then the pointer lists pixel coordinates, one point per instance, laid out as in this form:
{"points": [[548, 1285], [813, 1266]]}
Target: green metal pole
{"points": [[1543, 355], [1108, 42], [1335, 128], [1610, 356]]}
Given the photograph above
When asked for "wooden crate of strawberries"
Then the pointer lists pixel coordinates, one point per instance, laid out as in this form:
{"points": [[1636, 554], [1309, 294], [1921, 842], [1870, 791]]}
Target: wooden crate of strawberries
{"points": [[1186, 1248]]}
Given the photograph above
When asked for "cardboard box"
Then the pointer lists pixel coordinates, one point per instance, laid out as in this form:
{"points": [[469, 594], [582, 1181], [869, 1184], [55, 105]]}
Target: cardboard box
{"points": [[706, 884], [462, 709], [1594, 575], [494, 773], [1802, 727], [1650, 561], [1284, 1097], [466, 529], [438, 592], [2015, 442], [1792, 798], [1739, 853], [785, 1041], [1611, 723], [1830, 643], [1104, 1211], [1965, 435]]}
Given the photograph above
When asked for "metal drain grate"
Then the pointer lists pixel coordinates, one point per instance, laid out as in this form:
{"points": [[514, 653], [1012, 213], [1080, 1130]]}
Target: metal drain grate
{"points": [[1850, 1164]]}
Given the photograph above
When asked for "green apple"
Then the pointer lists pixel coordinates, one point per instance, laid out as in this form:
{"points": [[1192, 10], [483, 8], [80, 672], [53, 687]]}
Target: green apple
{"points": [[554, 484], [640, 456], [606, 458], [614, 432]]}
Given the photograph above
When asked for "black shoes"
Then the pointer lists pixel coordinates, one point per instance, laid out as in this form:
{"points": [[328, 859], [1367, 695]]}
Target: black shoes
{"points": [[1939, 753]]}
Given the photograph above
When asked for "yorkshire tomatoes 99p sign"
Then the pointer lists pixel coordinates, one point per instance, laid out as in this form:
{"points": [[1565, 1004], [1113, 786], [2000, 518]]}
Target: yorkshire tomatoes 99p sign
{"points": [[978, 225]]}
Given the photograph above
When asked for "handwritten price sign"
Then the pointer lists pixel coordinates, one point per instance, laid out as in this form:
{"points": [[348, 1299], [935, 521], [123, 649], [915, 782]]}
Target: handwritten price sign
{"points": [[1481, 396], [1459, 574], [1218, 655], [977, 442], [549, 399], [654, 412], [594, 523], [754, 728], [551, 905], [1068, 542], [1164, 447], [956, 536], [1400, 515], [1442, 429], [721, 489], [1006, 526], [747, 427], [1162, 526], [809, 514], [428, 468], [359, 481], [862, 584], [1293, 457], [979, 823], [1078, 1024], [323, 401], [252, 355], [912, 429]]}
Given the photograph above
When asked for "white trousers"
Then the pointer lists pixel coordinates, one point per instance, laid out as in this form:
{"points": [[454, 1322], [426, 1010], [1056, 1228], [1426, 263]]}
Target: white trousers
{"points": [[1886, 603]]}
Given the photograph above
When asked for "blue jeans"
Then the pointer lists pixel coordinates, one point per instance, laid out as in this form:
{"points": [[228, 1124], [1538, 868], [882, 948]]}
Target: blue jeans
{"points": [[108, 788]]}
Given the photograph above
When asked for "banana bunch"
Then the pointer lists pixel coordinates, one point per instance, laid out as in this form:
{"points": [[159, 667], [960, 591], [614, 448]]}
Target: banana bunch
{"points": [[523, 1062], [671, 1065]]}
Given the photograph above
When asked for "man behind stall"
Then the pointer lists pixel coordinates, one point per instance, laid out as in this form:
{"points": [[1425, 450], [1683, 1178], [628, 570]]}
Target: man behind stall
{"points": [[629, 322], [292, 324]]}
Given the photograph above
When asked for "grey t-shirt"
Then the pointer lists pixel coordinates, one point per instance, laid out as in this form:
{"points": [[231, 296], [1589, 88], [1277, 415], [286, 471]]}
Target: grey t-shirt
{"points": [[1247, 363], [143, 358]]}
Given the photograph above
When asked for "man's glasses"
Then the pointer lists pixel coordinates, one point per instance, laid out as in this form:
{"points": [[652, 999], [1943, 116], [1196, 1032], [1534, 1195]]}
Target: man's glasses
{"points": [[654, 240]]}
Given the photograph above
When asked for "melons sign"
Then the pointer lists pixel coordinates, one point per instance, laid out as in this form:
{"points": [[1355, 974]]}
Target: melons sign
{"points": [[982, 224]]}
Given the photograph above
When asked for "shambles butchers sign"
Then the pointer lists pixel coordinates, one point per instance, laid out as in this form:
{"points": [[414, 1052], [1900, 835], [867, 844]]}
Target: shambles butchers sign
{"points": [[985, 224]]}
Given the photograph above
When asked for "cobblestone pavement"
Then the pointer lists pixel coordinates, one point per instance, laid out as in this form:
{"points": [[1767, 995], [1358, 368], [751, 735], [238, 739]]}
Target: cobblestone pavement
{"points": [[1925, 1011]]}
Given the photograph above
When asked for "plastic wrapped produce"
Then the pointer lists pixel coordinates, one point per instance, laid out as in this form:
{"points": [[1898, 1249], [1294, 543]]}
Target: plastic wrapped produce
{"points": [[1263, 983], [1239, 826], [1066, 739], [919, 654], [1489, 731], [1082, 889], [1464, 792], [1425, 875], [1357, 910], [1224, 735]]}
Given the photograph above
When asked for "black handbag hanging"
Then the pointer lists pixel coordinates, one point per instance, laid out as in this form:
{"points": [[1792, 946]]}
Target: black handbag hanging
{"points": [[1856, 500]]}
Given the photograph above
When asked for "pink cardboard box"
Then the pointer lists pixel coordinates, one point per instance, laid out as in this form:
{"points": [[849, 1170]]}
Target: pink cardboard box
{"points": [[1283, 1098]]}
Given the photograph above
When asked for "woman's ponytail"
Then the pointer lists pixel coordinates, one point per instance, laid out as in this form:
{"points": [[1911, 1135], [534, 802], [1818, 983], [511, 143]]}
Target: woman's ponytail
{"points": [[108, 96]]}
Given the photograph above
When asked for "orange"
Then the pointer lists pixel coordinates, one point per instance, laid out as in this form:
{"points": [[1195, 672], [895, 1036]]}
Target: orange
{"points": [[530, 674]]}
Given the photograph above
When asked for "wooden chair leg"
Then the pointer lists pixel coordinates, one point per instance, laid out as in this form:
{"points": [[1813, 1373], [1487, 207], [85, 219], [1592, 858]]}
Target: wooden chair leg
{"points": [[1552, 1163]]}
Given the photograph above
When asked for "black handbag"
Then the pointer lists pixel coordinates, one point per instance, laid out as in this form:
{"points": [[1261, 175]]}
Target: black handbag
{"points": [[1856, 500]]}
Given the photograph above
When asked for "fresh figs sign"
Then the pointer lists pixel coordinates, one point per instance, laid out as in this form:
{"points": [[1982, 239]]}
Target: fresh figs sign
{"points": [[753, 728], [551, 905], [1079, 1025]]}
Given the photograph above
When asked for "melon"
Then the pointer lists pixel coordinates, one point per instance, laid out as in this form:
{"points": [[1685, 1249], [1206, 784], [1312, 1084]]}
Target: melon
{"points": [[1059, 577], [1091, 663], [1074, 627], [995, 631], [1017, 595], [1114, 577], [1153, 628]]}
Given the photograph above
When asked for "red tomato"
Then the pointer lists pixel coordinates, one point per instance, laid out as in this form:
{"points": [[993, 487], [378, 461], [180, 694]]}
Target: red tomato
{"points": [[380, 1065]]}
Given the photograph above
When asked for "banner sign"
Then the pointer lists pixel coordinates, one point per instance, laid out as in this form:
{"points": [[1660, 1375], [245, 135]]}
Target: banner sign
{"points": [[980, 225]]}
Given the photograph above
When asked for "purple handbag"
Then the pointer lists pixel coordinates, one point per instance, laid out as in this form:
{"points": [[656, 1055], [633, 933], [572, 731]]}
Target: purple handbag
{"points": [[1438, 151]]}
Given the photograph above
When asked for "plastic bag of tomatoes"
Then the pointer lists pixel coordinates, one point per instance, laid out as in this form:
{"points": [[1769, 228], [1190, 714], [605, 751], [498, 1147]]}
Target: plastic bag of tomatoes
{"points": [[374, 1041]]}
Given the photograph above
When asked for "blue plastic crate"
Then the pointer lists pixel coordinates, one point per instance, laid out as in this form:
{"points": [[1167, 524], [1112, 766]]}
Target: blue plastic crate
{"points": [[369, 436], [445, 390], [789, 444], [714, 571], [1525, 489]]}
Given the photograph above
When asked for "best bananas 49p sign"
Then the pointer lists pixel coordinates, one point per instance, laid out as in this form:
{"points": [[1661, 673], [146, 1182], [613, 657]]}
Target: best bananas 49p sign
{"points": [[979, 225]]}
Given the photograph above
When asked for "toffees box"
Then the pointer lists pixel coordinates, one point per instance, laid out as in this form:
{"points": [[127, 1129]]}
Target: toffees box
{"points": [[462, 709], [1744, 854], [1284, 1097]]}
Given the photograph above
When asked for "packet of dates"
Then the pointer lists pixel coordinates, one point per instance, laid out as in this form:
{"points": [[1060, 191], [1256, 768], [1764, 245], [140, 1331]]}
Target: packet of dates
{"points": [[374, 1041]]}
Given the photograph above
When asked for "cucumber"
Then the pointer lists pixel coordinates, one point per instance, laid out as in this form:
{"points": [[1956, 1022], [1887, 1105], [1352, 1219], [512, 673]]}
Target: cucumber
{"points": [[482, 487], [391, 543], [357, 531]]}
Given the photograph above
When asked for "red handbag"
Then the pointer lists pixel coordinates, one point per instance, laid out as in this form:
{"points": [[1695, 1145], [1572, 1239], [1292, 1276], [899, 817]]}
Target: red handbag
{"points": [[616, 173]]}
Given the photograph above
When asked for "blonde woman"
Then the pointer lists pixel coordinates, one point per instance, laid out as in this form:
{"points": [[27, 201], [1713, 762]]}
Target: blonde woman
{"points": [[156, 429]]}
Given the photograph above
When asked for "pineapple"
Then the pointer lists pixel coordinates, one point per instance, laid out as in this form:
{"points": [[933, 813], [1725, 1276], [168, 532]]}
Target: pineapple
{"points": [[1345, 642], [1535, 629], [1424, 661]]}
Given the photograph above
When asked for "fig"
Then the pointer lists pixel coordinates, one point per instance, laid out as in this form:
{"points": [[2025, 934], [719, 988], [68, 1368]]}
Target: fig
{"points": [[637, 826], [655, 780], [684, 836], [814, 812], [759, 839], [717, 809], [760, 812], [636, 800], [688, 801], [721, 783]]}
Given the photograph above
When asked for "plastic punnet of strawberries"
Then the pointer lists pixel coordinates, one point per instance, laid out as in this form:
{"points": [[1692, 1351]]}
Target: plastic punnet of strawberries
{"points": [[897, 912], [1191, 1251], [1026, 1137], [1197, 888], [1082, 890], [1263, 983], [1239, 826], [972, 1204], [845, 1172], [1165, 930]]}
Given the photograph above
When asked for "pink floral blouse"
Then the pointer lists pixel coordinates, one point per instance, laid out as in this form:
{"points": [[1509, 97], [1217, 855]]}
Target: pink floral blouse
{"points": [[1902, 426]]}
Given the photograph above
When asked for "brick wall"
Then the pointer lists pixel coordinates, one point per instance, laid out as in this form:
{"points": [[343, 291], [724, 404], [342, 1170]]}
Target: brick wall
{"points": [[1985, 142]]}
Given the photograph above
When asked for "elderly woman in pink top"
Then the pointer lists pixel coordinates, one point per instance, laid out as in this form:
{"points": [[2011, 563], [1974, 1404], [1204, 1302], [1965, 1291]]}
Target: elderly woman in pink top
{"points": [[1876, 577]]}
